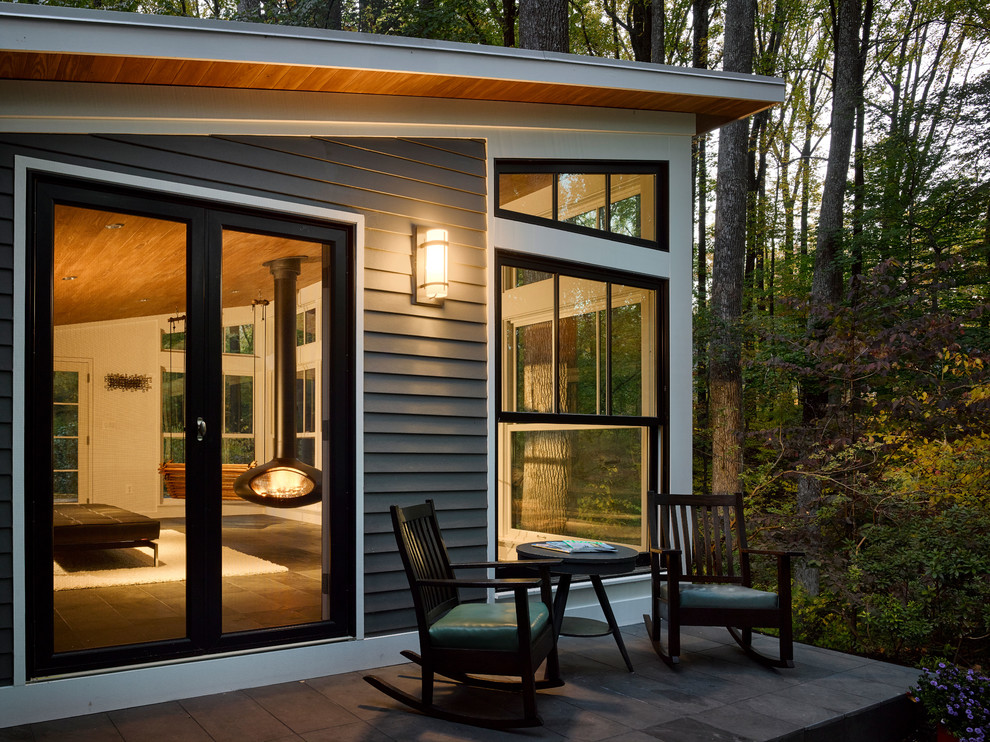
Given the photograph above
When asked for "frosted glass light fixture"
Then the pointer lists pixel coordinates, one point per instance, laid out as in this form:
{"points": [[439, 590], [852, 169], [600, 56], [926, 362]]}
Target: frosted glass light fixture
{"points": [[431, 265]]}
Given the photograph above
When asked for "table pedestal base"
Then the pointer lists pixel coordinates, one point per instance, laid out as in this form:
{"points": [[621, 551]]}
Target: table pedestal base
{"points": [[587, 626]]}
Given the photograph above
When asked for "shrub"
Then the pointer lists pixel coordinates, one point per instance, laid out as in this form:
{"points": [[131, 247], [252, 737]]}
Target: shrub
{"points": [[957, 699]]}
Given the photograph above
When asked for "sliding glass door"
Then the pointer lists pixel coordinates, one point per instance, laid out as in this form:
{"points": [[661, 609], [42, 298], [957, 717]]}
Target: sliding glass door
{"points": [[160, 377]]}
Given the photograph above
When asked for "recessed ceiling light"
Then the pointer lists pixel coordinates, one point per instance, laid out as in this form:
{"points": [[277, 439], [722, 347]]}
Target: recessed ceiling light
{"points": [[115, 225], [69, 278], [140, 300]]}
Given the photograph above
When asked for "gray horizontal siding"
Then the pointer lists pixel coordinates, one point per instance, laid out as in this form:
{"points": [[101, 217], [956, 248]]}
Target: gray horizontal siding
{"points": [[425, 367]]}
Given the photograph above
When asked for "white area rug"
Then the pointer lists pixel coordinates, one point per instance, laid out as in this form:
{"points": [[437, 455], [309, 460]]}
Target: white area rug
{"points": [[111, 567]]}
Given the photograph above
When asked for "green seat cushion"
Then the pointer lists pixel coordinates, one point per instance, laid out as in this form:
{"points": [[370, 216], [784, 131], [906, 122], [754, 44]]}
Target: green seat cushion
{"points": [[486, 626], [703, 595]]}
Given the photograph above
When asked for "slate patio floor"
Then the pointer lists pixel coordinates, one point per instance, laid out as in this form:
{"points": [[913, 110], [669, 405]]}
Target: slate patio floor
{"points": [[717, 694]]}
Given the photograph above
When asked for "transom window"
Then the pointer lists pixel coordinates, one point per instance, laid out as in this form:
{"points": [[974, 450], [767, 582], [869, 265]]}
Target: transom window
{"points": [[579, 422], [621, 200]]}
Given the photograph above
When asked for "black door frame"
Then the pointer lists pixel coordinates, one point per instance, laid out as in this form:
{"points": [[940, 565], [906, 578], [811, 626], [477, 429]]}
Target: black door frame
{"points": [[205, 221]]}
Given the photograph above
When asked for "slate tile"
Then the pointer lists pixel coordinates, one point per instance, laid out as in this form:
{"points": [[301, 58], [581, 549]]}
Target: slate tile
{"points": [[235, 717], [162, 722], [300, 707]]}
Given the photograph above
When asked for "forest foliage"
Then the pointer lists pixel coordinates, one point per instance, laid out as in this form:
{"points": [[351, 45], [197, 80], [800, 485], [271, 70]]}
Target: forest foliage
{"points": [[897, 440]]}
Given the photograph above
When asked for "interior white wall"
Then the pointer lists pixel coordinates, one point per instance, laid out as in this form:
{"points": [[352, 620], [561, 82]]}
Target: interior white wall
{"points": [[125, 425]]}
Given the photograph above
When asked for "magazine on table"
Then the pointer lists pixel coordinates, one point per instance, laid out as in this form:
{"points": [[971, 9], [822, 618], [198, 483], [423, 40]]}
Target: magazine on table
{"points": [[576, 547]]}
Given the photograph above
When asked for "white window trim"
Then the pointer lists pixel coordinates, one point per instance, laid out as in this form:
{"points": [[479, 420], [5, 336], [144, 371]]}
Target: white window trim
{"points": [[22, 167]]}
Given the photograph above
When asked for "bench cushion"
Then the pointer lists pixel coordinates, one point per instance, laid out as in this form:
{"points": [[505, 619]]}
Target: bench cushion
{"points": [[486, 626], [96, 523], [703, 595]]}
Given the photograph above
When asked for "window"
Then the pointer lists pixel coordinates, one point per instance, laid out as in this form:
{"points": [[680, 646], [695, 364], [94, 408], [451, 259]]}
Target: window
{"points": [[173, 416], [624, 201], [306, 415], [306, 327], [579, 409], [238, 420], [238, 339]]}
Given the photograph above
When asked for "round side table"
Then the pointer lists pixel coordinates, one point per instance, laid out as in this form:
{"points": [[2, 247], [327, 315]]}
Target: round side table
{"points": [[595, 564]]}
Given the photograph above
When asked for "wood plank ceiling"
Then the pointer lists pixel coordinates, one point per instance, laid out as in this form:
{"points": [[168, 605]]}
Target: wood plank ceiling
{"points": [[112, 266]]}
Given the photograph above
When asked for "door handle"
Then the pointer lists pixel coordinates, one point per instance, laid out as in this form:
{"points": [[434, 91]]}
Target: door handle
{"points": [[200, 428]]}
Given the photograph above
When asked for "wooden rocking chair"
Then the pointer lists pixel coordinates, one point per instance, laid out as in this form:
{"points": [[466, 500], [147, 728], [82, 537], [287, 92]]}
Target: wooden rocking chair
{"points": [[700, 567], [460, 640]]}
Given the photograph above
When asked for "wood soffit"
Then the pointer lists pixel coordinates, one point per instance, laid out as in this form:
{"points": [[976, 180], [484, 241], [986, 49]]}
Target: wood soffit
{"points": [[711, 111]]}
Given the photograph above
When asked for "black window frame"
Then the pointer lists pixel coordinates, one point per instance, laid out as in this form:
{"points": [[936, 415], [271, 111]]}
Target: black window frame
{"points": [[658, 424], [659, 168]]}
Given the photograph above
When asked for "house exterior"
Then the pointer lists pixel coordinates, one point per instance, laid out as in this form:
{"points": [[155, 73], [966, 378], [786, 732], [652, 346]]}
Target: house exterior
{"points": [[162, 180]]}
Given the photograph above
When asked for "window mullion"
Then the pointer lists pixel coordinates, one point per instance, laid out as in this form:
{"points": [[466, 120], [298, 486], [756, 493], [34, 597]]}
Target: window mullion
{"points": [[608, 348], [607, 226], [555, 345]]}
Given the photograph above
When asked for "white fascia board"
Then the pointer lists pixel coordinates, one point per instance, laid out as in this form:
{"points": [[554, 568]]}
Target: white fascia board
{"points": [[67, 107], [60, 29]]}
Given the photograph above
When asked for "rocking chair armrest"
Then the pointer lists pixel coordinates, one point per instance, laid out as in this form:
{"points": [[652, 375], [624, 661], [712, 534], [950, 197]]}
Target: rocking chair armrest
{"points": [[665, 558], [773, 552], [666, 555], [517, 563], [532, 563], [511, 582]]}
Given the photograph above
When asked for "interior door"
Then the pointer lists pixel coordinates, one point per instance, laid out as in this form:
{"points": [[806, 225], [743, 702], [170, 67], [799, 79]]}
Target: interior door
{"points": [[71, 382]]}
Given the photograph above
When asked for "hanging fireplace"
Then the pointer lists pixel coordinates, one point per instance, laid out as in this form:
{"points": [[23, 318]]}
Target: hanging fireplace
{"points": [[285, 481]]}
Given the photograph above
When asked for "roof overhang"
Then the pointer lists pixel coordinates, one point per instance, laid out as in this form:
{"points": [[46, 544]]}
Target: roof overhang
{"points": [[62, 44]]}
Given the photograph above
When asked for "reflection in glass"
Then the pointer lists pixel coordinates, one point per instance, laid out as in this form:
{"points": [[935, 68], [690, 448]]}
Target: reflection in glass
{"points": [[557, 478], [526, 193], [128, 278], [288, 589], [628, 344], [173, 415], [528, 347], [616, 203], [306, 327], [66, 420], [581, 363], [632, 199], [237, 450], [595, 491], [238, 396], [581, 199], [238, 339], [65, 386]]}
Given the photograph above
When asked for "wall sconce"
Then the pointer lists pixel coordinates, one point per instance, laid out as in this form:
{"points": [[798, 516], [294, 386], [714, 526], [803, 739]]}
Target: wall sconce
{"points": [[431, 265]]}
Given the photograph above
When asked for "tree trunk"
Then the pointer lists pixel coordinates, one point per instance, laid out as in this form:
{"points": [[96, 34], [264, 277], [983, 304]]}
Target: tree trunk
{"points": [[334, 17], [700, 10], [546, 453], [826, 281], [725, 367], [509, 23], [658, 32], [250, 10], [543, 25]]}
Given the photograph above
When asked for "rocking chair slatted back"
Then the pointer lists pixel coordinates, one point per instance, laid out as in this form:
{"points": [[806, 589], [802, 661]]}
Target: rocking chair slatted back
{"points": [[697, 539], [703, 528], [425, 556]]}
